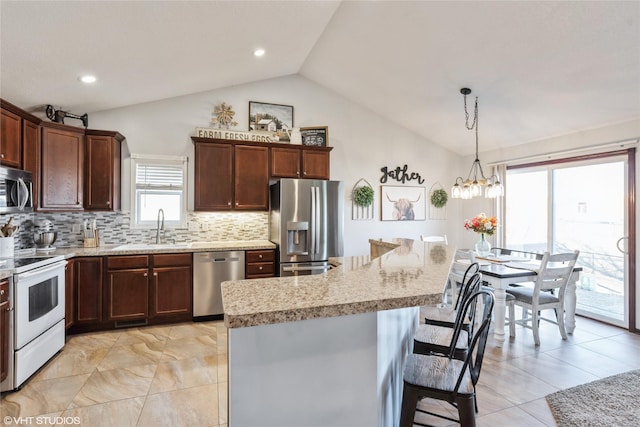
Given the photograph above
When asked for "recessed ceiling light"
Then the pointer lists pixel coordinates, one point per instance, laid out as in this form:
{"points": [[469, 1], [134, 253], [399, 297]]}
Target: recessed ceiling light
{"points": [[87, 79], [259, 52]]}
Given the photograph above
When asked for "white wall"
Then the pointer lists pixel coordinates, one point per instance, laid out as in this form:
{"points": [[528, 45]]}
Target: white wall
{"points": [[363, 143]]}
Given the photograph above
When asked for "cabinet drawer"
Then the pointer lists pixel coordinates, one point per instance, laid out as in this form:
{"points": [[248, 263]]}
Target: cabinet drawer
{"points": [[171, 260], [132, 261], [259, 268], [260, 256], [4, 291]]}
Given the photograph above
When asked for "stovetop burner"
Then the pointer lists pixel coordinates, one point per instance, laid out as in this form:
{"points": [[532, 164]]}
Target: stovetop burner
{"points": [[21, 265]]}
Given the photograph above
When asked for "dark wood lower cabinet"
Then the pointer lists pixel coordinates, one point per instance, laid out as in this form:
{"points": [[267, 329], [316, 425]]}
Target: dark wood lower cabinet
{"points": [[137, 290], [88, 289], [260, 263], [171, 286], [128, 294], [4, 329], [69, 300]]}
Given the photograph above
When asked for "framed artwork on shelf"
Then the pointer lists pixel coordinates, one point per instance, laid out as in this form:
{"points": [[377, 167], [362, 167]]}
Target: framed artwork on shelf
{"points": [[274, 118], [403, 203], [315, 136]]}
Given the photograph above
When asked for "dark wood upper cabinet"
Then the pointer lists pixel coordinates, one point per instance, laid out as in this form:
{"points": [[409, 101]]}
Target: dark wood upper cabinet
{"points": [[235, 175], [62, 167], [285, 162], [10, 139], [301, 162], [251, 177], [31, 151], [17, 129], [315, 164], [213, 177], [102, 170]]}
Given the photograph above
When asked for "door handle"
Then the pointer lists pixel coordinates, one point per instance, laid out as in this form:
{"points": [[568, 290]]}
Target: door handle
{"points": [[624, 251]]}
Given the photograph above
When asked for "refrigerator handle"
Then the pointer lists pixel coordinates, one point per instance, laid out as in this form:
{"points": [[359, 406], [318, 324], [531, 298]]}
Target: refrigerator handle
{"points": [[312, 243], [316, 228]]}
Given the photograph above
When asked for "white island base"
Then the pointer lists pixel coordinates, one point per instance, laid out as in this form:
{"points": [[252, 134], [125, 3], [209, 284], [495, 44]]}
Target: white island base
{"points": [[335, 371]]}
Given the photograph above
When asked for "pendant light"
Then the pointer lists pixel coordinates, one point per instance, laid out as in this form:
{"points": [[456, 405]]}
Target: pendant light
{"points": [[476, 181]]}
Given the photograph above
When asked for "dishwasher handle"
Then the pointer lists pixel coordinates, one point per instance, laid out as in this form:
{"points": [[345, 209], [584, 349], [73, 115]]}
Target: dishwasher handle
{"points": [[232, 259]]}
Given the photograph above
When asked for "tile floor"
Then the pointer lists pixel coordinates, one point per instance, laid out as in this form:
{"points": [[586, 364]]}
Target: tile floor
{"points": [[176, 376], [154, 376]]}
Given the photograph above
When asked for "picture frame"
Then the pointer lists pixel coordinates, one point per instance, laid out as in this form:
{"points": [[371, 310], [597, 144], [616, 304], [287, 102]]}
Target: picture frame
{"points": [[403, 203], [317, 136], [266, 117]]}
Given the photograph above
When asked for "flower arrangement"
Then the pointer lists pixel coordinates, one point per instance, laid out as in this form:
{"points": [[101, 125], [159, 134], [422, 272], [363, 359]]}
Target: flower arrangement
{"points": [[482, 224]]}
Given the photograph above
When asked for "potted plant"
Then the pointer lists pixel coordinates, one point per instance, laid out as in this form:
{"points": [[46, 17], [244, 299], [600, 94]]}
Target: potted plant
{"points": [[439, 198], [363, 196]]}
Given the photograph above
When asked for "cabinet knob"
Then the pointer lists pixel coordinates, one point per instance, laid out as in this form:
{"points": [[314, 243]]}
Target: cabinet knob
{"points": [[260, 268], [2, 156], [304, 173], [236, 203], [108, 203], [145, 275], [229, 204], [155, 274], [260, 256], [2, 292]]}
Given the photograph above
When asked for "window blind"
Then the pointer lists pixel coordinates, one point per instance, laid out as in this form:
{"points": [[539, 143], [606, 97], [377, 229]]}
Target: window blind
{"points": [[159, 177]]}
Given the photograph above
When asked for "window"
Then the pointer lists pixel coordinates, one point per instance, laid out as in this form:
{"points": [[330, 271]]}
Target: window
{"points": [[159, 182]]}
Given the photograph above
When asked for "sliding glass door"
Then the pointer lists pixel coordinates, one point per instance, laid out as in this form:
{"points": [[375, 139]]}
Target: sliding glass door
{"points": [[581, 204]]}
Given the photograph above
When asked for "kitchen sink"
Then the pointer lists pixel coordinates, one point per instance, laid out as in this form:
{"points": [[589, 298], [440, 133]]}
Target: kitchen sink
{"points": [[146, 246]]}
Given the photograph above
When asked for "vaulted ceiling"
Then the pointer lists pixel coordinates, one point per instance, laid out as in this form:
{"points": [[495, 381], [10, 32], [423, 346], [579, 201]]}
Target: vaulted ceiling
{"points": [[540, 69]]}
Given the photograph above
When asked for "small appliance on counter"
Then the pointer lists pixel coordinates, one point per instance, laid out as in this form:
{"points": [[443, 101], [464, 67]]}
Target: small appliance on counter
{"points": [[44, 236]]}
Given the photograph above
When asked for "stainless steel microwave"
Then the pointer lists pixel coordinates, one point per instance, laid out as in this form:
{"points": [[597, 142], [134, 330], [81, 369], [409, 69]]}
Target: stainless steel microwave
{"points": [[16, 190]]}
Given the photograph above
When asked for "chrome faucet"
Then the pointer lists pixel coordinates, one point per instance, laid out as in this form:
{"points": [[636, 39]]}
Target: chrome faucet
{"points": [[160, 225]]}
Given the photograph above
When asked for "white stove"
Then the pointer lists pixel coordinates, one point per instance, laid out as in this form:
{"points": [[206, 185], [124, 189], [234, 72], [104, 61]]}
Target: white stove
{"points": [[36, 302], [23, 264]]}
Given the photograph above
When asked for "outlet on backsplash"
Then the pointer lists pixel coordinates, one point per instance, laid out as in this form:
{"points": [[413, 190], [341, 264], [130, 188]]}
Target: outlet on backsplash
{"points": [[76, 227], [193, 226]]}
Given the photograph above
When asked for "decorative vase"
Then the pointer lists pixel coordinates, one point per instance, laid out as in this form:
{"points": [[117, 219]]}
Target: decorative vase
{"points": [[483, 247]]}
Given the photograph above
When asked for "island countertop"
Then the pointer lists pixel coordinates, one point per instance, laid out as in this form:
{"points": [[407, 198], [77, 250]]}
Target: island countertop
{"points": [[410, 275]]}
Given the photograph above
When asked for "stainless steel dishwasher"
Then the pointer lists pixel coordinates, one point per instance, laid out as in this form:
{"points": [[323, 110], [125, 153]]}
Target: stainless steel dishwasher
{"points": [[210, 269]]}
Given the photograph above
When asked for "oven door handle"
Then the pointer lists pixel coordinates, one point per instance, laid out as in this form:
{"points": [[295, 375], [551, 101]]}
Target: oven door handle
{"points": [[41, 270]]}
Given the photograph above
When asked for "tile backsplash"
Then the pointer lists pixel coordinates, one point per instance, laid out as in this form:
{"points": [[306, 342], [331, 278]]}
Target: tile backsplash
{"points": [[115, 228]]}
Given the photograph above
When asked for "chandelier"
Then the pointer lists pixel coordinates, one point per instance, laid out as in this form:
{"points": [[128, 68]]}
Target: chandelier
{"points": [[476, 180]]}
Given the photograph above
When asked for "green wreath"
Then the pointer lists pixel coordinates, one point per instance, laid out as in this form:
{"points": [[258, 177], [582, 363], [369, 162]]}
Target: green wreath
{"points": [[363, 196], [439, 198]]}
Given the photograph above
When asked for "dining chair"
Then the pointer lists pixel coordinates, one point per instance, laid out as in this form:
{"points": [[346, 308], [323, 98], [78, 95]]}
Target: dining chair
{"points": [[547, 293], [446, 378], [445, 340]]}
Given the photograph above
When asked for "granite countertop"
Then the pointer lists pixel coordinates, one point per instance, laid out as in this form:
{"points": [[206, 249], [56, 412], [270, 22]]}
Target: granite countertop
{"points": [[412, 274], [134, 249]]}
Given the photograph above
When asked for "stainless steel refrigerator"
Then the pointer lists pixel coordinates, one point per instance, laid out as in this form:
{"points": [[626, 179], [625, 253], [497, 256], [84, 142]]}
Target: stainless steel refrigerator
{"points": [[306, 222]]}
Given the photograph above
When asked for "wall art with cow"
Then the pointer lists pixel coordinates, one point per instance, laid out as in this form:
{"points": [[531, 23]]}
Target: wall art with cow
{"points": [[403, 203]]}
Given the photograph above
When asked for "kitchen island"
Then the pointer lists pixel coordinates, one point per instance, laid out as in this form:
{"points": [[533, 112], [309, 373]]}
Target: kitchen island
{"points": [[328, 349]]}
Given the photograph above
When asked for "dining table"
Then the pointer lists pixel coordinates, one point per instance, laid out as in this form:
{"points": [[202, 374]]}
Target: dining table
{"points": [[500, 272]]}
